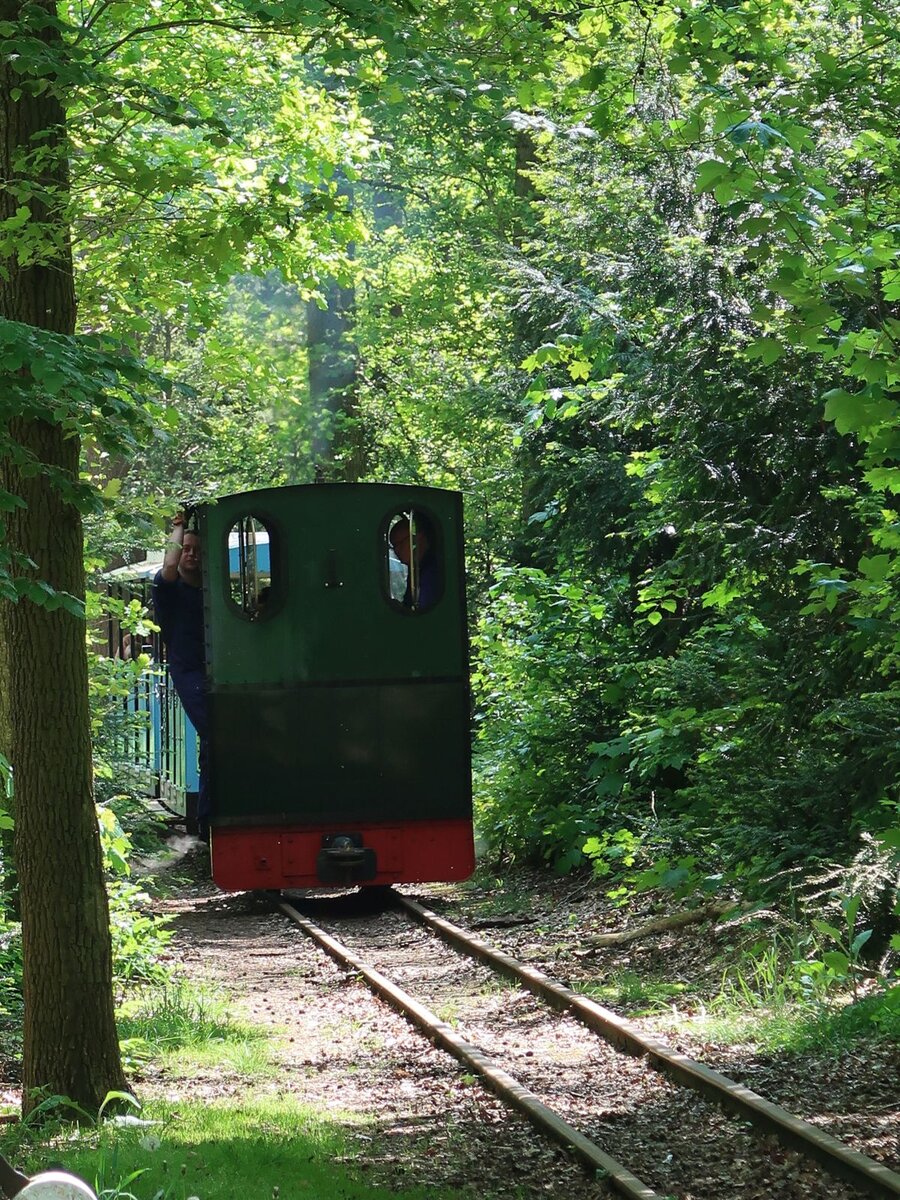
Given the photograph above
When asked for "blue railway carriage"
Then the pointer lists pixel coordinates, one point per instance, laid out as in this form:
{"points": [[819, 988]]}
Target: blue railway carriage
{"points": [[161, 740], [337, 666]]}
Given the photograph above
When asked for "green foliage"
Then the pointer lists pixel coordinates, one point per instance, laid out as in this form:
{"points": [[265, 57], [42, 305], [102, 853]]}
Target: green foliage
{"points": [[783, 997], [612, 853], [139, 938], [11, 1006], [176, 186], [231, 1148], [771, 976], [629, 281], [6, 793], [112, 681], [843, 960], [91, 387], [114, 841], [536, 651], [680, 878], [701, 284]]}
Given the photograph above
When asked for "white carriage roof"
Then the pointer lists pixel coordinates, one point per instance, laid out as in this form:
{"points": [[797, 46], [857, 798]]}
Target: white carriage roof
{"points": [[139, 570]]}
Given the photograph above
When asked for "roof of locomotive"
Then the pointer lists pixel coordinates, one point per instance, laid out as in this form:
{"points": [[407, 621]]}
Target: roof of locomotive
{"points": [[147, 567], [284, 489]]}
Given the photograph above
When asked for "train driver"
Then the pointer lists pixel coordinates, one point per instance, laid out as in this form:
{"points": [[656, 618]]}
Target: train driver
{"points": [[178, 602], [422, 571]]}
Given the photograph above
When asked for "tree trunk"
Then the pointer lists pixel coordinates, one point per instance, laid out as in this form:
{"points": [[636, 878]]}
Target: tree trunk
{"points": [[70, 1043], [339, 447]]}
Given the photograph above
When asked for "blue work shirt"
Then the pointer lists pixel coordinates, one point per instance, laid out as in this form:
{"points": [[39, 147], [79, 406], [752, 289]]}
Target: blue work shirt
{"points": [[429, 584], [179, 614]]}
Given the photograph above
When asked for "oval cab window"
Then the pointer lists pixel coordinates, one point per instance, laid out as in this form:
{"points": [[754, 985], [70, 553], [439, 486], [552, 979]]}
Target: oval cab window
{"points": [[249, 567], [413, 563]]}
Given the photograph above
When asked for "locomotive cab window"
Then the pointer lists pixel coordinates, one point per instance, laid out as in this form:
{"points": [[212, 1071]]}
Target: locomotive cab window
{"points": [[413, 564], [249, 567]]}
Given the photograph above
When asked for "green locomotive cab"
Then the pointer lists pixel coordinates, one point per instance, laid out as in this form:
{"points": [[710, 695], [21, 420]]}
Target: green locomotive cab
{"points": [[338, 686]]}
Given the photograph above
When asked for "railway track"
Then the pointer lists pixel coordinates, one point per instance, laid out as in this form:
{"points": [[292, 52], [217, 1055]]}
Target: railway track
{"points": [[644, 1120]]}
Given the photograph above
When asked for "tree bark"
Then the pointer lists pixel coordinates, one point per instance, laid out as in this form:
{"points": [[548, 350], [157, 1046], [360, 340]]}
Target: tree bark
{"points": [[339, 444], [339, 448], [70, 1042]]}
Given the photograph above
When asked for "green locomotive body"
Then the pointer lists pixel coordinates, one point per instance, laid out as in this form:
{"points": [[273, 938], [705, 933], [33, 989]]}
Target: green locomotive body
{"points": [[339, 747]]}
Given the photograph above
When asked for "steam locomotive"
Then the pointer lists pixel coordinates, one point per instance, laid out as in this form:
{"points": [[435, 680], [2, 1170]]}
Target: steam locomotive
{"points": [[337, 673]]}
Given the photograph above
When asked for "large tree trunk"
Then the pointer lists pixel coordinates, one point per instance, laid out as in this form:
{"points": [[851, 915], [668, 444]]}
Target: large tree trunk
{"points": [[339, 446], [71, 1047], [339, 443]]}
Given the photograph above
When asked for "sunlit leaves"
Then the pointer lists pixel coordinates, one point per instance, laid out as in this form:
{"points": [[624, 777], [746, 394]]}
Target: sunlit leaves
{"points": [[747, 131], [741, 219], [710, 173], [862, 412], [768, 349], [202, 152], [85, 383], [92, 388]]}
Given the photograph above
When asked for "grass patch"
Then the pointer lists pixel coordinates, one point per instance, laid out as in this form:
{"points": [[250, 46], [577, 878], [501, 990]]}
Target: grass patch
{"points": [[796, 1027], [257, 1149], [627, 990], [781, 1003], [189, 1029]]}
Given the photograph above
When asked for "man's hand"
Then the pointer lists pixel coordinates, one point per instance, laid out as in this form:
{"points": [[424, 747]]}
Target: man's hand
{"points": [[173, 549]]}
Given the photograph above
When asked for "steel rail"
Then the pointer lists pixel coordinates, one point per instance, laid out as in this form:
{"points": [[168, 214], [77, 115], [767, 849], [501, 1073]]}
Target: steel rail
{"points": [[834, 1155], [499, 1081]]}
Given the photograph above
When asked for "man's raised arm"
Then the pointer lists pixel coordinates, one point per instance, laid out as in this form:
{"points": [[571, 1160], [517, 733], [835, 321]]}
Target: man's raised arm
{"points": [[174, 545]]}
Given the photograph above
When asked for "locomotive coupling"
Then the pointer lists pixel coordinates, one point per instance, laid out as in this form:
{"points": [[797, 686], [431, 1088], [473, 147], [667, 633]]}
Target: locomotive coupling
{"points": [[344, 859]]}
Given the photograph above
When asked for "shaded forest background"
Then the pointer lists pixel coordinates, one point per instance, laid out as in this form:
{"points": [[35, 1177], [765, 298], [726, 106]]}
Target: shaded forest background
{"points": [[627, 275]]}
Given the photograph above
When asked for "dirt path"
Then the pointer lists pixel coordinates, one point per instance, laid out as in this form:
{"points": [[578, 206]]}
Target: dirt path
{"points": [[415, 1116], [342, 1051]]}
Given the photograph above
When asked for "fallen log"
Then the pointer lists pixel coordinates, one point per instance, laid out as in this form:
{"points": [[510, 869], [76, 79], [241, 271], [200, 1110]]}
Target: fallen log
{"points": [[690, 916]]}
